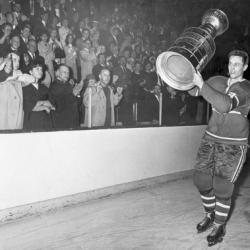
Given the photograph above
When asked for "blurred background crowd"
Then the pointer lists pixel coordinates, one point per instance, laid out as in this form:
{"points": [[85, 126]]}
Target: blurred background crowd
{"points": [[58, 58]]}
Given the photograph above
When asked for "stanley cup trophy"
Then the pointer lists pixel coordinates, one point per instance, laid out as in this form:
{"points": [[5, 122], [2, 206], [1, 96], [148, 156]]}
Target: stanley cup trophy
{"points": [[191, 51]]}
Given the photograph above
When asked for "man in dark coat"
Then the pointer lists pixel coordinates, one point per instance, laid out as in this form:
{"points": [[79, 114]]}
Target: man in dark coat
{"points": [[24, 37], [64, 96], [41, 25], [123, 76], [30, 56], [5, 34], [99, 66]]}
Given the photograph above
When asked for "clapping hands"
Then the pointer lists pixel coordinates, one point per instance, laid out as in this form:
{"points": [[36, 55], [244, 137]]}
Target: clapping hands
{"points": [[77, 88]]}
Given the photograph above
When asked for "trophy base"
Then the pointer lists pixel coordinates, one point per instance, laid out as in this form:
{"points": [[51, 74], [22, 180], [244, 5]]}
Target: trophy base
{"points": [[175, 70]]}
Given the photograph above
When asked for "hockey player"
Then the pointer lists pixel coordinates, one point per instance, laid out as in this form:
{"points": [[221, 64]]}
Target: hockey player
{"points": [[223, 147]]}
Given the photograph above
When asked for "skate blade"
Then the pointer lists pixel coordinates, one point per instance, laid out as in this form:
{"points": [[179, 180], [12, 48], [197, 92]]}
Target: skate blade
{"points": [[212, 243], [205, 230]]}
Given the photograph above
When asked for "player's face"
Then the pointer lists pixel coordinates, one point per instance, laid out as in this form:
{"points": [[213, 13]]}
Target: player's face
{"points": [[236, 67]]}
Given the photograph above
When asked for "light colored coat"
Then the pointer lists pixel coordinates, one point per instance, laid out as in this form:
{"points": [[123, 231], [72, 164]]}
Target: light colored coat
{"points": [[98, 106], [11, 100], [87, 61], [46, 51], [11, 105], [70, 60]]}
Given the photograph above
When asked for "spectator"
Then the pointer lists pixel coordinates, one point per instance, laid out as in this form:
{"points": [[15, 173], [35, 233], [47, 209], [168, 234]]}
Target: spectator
{"points": [[2, 16], [41, 25], [79, 29], [45, 7], [87, 59], [14, 46], [150, 76], [5, 38], [57, 47], [74, 22], [115, 36], [24, 37], [10, 19], [113, 56], [71, 55], [122, 73], [11, 97], [103, 101], [54, 23], [124, 80], [130, 64], [64, 97], [137, 83], [101, 64], [126, 46], [64, 31], [32, 54], [36, 105], [46, 51], [18, 15], [80, 42]]}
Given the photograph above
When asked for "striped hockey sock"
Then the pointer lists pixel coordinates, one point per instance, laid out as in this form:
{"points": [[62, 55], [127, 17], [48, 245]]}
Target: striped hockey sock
{"points": [[222, 210], [208, 203]]}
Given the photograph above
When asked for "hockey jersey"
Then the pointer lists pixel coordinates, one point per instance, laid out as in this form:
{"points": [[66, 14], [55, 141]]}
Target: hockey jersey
{"points": [[230, 106]]}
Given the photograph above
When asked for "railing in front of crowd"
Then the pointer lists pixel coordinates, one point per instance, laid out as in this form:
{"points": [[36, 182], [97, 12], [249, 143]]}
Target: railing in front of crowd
{"points": [[140, 123], [135, 110]]}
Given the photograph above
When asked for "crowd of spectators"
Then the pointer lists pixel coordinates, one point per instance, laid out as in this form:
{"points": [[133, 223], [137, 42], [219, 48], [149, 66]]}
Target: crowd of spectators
{"points": [[58, 57]]}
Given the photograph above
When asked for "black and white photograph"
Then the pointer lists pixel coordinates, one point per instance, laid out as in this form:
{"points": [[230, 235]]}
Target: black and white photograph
{"points": [[124, 124]]}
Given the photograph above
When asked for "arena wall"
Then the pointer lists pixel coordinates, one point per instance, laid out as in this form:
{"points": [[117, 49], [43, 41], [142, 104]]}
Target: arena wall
{"points": [[37, 167]]}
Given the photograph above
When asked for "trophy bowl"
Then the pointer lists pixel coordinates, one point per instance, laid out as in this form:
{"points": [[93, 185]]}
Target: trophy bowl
{"points": [[191, 51]]}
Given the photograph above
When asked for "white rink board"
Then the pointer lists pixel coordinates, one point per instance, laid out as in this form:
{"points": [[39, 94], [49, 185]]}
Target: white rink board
{"points": [[41, 166]]}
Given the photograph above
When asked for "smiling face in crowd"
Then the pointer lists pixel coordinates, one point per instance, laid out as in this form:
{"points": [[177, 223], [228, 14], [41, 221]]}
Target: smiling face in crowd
{"points": [[15, 42], [63, 73], [26, 32], [104, 77], [37, 72], [32, 46]]}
